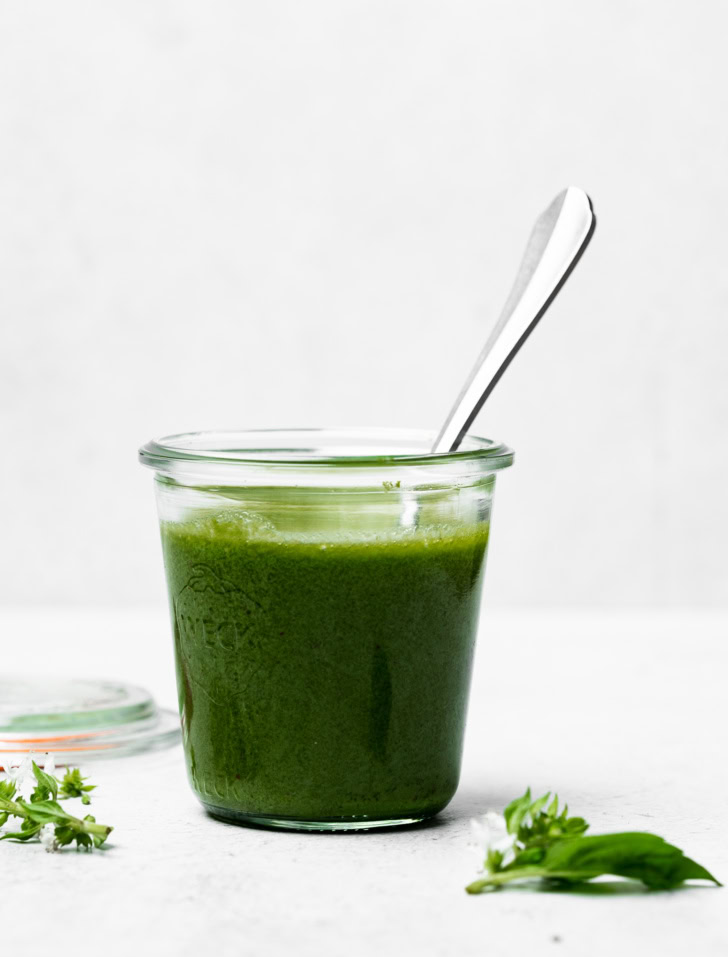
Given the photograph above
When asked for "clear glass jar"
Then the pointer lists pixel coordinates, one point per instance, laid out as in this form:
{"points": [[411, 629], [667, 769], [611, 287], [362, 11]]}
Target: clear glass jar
{"points": [[324, 590]]}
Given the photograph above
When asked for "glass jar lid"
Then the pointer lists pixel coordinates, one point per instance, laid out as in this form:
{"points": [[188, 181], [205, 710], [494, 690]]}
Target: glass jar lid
{"points": [[77, 720]]}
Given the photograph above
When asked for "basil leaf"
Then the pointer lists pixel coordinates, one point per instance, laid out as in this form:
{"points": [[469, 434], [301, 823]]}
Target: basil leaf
{"points": [[7, 790], [47, 785], [633, 854], [516, 811], [44, 812], [24, 835]]}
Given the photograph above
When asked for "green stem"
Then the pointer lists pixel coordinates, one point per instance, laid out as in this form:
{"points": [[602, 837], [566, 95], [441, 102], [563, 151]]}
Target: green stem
{"points": [[90, 827], [503, 877], [84, 827], [11, 808]]}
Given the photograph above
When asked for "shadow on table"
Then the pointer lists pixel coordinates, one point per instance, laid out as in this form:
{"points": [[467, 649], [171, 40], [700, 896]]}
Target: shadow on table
{"points": [[608, 888]]}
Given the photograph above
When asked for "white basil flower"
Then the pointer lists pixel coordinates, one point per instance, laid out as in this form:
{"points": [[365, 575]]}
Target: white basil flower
{"points": [[47, 836], [491, 834], [22, 774]]}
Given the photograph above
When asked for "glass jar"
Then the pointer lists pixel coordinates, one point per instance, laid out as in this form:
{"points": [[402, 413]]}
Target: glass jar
{"points": [[324, 590]]}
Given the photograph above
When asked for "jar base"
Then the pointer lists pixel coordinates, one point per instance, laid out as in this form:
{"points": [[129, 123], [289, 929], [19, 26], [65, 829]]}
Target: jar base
{"points": [[271, 822]]}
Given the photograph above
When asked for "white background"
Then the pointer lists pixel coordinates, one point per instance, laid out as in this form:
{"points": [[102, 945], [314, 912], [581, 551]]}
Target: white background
{"points": [[290, 213]]}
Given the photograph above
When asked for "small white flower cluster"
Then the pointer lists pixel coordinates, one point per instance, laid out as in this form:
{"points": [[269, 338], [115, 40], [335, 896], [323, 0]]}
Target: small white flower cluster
{"points": [[22, 774], [491, 834], [47, 837]]}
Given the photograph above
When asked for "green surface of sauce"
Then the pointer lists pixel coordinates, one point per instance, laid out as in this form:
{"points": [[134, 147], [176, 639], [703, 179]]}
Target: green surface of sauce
{"points": [[323, 681]]}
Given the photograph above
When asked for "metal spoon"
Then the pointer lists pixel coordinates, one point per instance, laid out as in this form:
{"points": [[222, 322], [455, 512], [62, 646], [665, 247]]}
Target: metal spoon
{"points": [[560, 235]]}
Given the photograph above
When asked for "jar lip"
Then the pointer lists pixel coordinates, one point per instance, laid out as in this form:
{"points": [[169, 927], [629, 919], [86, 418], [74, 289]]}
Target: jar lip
{"points": [[308, 448]]}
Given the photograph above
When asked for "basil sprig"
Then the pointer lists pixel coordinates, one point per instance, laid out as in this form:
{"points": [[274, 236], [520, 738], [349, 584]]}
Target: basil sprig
{"points": [[43, 818], [539, 841]]}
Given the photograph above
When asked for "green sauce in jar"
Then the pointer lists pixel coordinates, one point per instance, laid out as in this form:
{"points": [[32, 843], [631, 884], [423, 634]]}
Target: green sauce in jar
{"points": [[323, 681]]}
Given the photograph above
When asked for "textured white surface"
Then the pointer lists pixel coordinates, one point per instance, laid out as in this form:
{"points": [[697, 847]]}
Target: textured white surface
{"points": [[255, 214], [624, 714]]}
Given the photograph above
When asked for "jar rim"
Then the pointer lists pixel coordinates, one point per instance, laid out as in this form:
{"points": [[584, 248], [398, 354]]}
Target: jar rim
{"points": [[306, 448]]}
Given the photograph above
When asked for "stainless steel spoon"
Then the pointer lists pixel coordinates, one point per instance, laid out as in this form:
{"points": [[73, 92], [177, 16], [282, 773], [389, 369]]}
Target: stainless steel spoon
{"points": [[560, 235]]}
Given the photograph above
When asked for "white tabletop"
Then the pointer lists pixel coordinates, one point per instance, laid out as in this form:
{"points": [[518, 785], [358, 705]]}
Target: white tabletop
{"points": [[623, 714]]}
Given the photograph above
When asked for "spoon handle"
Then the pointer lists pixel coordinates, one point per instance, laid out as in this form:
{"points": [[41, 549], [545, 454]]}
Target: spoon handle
{"points": [[560, 235]]}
